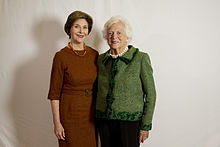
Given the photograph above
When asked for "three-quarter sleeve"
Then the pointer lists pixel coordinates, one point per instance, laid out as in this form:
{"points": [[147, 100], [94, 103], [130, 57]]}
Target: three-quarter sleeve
{"points": [[56, 80], [149, 91]]}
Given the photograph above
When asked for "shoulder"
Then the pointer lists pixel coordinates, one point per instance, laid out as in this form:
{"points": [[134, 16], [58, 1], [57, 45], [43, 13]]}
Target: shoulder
{"points": [[145, 58], [62, 54], [104, 57], [101, 55], [93, 51], [137, 53], [143, 54]]}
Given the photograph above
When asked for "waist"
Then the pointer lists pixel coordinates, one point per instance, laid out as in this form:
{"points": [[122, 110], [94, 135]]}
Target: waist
{"points": [[87, 92]]}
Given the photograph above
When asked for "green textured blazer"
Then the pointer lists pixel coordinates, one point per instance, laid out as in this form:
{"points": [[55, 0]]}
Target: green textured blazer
{"points": [[126, 89]]}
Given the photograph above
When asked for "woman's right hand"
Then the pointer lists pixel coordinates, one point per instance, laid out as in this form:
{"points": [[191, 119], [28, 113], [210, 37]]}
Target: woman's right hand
{"points": [[59, 131]]}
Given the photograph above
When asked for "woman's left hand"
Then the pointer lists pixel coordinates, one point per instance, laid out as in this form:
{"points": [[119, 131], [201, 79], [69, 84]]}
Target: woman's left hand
{"points": [[143, 135]]}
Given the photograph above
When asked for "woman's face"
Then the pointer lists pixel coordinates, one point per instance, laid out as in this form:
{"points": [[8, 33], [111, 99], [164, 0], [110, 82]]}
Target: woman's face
{"points": [[116, 36], [79, 31]]}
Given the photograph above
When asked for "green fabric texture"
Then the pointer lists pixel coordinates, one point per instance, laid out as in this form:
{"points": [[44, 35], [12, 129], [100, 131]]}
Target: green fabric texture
{"points": [[126, 89]]}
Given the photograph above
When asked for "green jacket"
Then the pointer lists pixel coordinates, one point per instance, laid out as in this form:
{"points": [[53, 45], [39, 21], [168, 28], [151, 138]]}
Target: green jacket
{"points": [[126, 89]]}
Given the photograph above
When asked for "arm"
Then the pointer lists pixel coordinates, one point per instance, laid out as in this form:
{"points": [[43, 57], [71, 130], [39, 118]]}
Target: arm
{"points": [[56, 83], [58, 128], [150, 92]]}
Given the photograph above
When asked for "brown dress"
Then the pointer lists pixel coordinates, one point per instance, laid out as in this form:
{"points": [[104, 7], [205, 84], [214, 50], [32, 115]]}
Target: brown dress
{"points": [[72, 80]]}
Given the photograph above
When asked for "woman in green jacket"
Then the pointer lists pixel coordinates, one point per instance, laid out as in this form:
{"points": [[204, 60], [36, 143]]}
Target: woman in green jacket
{"points": [[126, 92]]}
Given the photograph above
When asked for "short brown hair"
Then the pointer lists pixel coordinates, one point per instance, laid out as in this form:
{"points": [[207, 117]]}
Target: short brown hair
{"points": [[73, 17]]}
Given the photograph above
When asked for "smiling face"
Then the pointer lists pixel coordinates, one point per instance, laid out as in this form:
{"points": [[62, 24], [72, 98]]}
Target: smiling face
{"points": [[79, 31], [116, 37]]}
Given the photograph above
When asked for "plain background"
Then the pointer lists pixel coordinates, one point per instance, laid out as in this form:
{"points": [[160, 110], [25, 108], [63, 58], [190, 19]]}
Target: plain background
{"points": [[182, 38]]}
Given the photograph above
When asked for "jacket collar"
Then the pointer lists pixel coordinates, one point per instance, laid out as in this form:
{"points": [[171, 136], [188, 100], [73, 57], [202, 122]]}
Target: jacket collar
{"points": [[127, 57]]}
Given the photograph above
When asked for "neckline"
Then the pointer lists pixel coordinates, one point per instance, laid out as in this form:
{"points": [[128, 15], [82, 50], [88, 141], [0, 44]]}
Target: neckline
{"points": [[76, 52]]}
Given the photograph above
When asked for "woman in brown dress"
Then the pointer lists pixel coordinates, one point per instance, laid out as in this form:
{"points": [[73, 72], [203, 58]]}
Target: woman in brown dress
{"points": [[73, 74]]}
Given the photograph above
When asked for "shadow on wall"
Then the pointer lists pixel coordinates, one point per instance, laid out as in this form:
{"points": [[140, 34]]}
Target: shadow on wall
{"points": [[94, 39], [31, 112]]}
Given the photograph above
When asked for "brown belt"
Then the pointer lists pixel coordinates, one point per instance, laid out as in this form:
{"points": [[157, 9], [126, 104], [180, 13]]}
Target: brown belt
{"points": [[88, 92]]}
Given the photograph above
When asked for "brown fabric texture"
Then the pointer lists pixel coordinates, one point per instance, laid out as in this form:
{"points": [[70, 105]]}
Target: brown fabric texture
{"points": [[72, 79]]}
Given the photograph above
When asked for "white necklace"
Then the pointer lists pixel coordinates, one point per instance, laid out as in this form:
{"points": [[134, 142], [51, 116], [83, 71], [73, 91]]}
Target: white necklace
{"points": [[119, 55]]}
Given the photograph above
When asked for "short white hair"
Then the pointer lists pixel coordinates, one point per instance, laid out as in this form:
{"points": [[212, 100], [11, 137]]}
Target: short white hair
{"points": [[116, 19]]}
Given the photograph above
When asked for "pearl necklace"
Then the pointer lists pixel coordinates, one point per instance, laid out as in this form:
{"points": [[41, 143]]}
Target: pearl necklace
{"points": [[84, 46], [118, 55]]}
